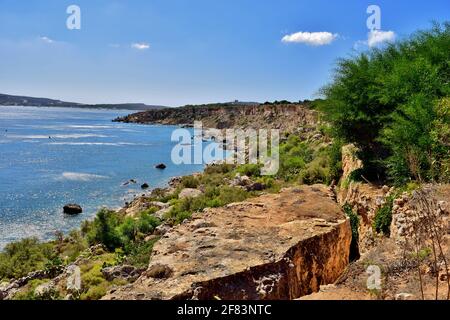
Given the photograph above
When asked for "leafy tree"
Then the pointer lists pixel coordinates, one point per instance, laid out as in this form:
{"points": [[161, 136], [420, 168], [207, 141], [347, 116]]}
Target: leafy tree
{"points": [[383, 101], [440, 135], [21, 257]]}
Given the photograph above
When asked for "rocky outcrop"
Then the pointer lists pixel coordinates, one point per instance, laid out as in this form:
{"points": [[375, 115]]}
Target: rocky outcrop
{"points": [[140, 204], [365, 200], [286, 117], [134, 208], [350, 161], [279, 246]]}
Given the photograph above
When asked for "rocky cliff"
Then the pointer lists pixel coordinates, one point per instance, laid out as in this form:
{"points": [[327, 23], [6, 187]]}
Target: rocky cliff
{"points": [[286, 117], [281, 246]]}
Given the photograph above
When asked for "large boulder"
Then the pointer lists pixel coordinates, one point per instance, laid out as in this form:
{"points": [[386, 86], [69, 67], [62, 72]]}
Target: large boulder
{"points": [[72, 209], [175, 181], [189, 193], [277, 246], [124, 272], [240, 181], [256, 186]]}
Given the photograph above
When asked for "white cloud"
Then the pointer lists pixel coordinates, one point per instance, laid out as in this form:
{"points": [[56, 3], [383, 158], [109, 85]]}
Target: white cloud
{"points": [[46, 39], [377, 36], [310, 38], [140, 46]]}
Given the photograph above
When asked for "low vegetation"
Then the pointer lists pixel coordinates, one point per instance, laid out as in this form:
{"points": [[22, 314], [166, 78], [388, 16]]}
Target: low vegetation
{"points": [[119, 232], [309, 162], [20, 258]]}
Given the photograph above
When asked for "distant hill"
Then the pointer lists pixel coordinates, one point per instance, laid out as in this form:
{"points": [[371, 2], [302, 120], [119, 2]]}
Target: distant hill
{"points": [[10, 100]]}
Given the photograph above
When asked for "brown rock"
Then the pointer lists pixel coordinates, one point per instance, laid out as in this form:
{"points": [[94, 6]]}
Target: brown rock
{"points": [[72, 209], [159, 271], [279, 246], [189, 193]]}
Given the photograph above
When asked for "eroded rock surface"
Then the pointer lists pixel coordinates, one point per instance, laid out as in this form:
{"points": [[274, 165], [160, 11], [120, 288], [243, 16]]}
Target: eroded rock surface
{"points": [[277, 246]]}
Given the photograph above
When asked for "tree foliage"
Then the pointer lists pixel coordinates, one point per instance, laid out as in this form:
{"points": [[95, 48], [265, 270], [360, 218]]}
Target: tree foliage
{"points": [[385, 101]]}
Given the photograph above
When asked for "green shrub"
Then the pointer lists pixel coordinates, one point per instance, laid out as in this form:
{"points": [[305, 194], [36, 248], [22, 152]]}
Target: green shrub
{"points": [[223, 168], [162, 195], [250, 170], [334, 154], [24, 256], [95, 292], [294, 156], [189, 182], [139, 255], [104, 230], [127, 230], [147, 223], [383, 217], [325, 165], [316, 171], [94, 285], [72, 246], [213, 197], [229, 194], [115, 231]]}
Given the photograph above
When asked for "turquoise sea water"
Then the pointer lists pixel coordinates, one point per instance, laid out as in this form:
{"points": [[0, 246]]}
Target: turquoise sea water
{"points": [[53, 156]]}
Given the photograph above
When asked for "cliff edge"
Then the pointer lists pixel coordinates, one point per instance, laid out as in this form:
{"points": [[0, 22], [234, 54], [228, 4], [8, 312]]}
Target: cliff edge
{"points": [[276, 246]]}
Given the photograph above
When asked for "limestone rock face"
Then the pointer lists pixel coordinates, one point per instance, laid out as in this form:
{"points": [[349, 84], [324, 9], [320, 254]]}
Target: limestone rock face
{"points": [[350, 161], [365, 201], [276, 246], [285, 117]]}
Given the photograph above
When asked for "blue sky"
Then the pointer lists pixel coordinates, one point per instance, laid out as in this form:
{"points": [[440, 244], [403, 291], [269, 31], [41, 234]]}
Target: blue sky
{"points": [[175, 52]]}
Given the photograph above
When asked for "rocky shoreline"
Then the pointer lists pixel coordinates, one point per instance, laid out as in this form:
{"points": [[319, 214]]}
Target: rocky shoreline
{"points": [[296, 241], [285, 117]]}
